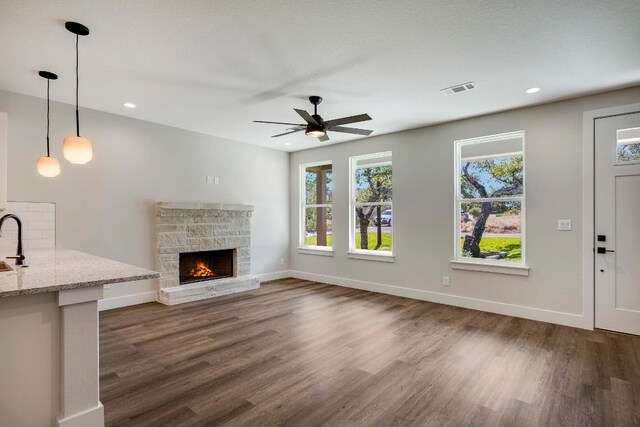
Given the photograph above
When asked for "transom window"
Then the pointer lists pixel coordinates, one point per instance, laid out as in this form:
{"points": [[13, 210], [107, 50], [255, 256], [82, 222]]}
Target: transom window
{"points": [[490, 199], [316, 201], [628, 145], [371, 209]]}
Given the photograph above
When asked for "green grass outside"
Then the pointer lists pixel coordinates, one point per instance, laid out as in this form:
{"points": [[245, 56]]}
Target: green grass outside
{"points": [[373, 241], [511, 245], [313, 241]]}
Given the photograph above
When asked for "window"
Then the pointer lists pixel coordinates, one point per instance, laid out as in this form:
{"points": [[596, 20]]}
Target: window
{"points": [[316, 198], [490, 199], [371, 211], [628, 145]]}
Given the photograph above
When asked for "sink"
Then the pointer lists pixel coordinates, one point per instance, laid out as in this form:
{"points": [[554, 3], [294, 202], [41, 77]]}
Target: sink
{"points": [[4, 267]]}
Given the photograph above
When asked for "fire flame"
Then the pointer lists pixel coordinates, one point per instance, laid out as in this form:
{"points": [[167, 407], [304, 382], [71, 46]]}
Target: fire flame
{"points": [[201, 270]]}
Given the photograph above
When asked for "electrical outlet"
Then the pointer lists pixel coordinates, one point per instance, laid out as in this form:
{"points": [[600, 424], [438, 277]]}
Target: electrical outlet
{"points": [[281, 261], [564, 224], [445, 281], [107, 286]]}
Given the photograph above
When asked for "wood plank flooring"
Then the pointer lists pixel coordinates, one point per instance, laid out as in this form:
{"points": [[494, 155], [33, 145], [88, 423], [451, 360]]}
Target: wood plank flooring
{"points": [[300, 353]]}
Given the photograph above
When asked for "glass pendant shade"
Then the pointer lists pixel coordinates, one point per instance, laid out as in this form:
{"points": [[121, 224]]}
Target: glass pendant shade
{"points": [[48, 166], [77, 149]]}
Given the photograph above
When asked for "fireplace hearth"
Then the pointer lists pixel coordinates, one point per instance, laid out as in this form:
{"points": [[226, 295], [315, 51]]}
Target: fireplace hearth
{"points": [[206, 265]]}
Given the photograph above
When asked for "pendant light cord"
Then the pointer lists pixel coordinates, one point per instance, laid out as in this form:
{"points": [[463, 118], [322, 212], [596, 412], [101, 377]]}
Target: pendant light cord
{"points": [[77, 83], [48, 152]]}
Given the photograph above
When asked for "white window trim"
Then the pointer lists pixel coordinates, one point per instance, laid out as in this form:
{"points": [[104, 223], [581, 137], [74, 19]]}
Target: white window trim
{"points": [[369, 255], [315, 250], [518, 270], [497, 266], [353, 252], [302, 247]]}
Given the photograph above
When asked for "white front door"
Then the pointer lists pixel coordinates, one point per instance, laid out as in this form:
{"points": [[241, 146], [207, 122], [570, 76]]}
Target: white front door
{"points": [[617, 223]]}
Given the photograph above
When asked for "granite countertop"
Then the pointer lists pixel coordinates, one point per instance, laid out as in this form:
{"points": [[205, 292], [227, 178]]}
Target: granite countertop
{"points": [[51, 270]]}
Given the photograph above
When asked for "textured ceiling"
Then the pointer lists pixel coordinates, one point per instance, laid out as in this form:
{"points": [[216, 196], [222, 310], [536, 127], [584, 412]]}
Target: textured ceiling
{"points": [[214, 66]]}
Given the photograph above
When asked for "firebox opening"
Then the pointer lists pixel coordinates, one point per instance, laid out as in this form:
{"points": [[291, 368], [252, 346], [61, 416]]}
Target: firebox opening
{"points": [[205, 265]]}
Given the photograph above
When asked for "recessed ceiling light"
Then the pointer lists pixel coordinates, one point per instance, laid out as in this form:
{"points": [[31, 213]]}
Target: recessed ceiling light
{"points": [[128, 105], [533, 90], [287, 143]]}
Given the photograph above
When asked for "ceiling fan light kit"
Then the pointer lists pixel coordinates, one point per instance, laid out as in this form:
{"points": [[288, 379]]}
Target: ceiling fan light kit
{"points": [[317, 127], [46, 165], [77, 149]]}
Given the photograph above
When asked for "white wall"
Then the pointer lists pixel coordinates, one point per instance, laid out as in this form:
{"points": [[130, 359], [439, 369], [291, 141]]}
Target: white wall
{"points": [[423, 197], [107, 207], [3, 160]]}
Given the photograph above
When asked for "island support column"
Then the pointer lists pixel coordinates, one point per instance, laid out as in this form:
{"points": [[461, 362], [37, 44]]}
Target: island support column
{"points": [[79, 365]]}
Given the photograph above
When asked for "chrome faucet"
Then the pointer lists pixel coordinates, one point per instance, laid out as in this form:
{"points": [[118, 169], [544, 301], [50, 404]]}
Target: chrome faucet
{"points": [[19, 255]]}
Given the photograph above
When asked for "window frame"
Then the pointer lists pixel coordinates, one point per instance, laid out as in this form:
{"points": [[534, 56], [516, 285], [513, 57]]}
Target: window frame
{"points": [[302, 240], [510, 267], [353, 252]]}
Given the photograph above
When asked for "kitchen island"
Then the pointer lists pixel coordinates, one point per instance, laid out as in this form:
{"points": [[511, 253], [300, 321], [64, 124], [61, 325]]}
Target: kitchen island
{"points": [[49, 365]]}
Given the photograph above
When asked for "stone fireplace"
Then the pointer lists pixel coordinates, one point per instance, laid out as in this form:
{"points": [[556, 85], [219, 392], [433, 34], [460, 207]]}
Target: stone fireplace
{"points": [[203, 250]]}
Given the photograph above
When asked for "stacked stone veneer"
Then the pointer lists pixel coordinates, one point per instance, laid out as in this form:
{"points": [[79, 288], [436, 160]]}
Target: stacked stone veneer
{"points": [[194, 227]]}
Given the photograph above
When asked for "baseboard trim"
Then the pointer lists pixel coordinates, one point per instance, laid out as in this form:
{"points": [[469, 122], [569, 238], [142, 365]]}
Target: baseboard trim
{"points": [[560, 318], [127, 300], [266, 277], [93, 417], [144, 297]]}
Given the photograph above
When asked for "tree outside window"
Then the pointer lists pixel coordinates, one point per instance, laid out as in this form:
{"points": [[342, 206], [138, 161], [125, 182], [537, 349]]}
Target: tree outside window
{"points": [[317, 199], [371, 204], [491, 198]]}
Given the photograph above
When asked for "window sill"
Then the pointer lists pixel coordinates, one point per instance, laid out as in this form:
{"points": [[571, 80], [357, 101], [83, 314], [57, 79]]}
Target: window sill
{"points": [[315, 250], [518, 270], [382, 257]]}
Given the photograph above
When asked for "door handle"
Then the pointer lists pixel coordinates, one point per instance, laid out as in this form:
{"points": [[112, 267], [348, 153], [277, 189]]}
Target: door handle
{"points": [[604, 250]]}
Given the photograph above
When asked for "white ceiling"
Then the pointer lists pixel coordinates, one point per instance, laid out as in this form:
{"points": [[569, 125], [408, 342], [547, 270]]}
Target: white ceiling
{"points": [[214, 66]]}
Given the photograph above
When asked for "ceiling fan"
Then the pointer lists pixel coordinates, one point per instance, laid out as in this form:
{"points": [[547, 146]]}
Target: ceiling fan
{"points": [[317, 127]]}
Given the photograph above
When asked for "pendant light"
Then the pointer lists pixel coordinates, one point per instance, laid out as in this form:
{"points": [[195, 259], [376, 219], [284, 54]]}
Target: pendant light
{"points": [[76, 148], [46, 165]]}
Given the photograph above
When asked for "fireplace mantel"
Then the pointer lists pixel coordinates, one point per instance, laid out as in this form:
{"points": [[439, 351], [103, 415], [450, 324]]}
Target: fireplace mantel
{"points": [[186, 227], [204, 206]]}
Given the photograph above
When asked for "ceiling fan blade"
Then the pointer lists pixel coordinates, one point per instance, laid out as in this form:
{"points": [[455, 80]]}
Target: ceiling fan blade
{"points": [[347, 120], [343, 129], [278, 123], [306, 116], [323, 138], [287, 133]]}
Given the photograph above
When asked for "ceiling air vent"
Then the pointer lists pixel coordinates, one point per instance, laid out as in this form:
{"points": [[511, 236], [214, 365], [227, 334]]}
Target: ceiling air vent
{"points": [[458, 88]]}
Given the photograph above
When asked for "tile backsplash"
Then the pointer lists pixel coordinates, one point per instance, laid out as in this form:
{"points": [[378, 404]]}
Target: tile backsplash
{"points": [[38, 226]]}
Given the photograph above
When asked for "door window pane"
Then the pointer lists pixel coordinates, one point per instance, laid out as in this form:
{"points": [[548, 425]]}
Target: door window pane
{"points": [[628, 145]]}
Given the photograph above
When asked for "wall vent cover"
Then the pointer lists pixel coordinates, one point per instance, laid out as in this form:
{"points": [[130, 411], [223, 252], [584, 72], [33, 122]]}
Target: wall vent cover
{"points": [[458, 88]]}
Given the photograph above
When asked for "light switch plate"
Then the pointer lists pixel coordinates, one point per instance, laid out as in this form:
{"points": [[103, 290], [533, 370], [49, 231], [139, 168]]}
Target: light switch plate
{"points": [[564, 224]]}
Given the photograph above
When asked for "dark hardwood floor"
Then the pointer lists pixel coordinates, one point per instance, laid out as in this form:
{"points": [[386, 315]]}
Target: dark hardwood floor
{"points": [[299, 353]]}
